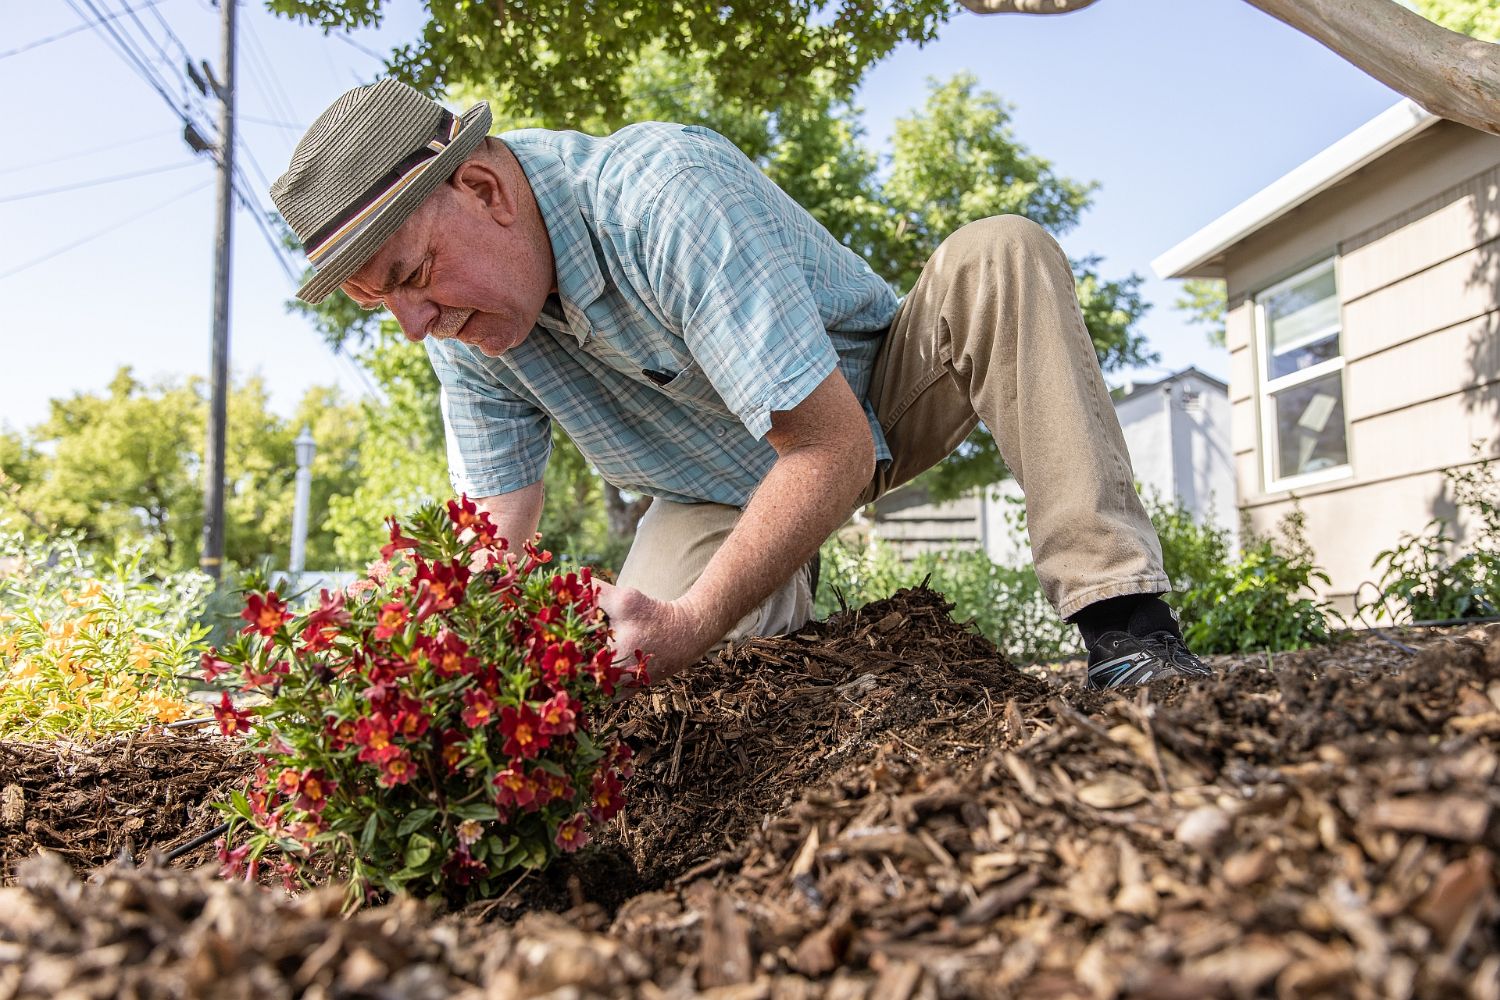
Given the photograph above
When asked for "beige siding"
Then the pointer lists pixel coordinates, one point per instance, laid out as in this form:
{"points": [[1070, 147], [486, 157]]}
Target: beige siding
{"points": [[1422, 237], [1417, 239], [1461, 288], [1422, 370]]}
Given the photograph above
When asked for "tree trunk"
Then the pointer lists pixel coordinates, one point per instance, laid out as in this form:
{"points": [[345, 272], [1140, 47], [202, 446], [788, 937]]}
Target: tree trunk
{"points": [[623, 514], [1448, 73]]}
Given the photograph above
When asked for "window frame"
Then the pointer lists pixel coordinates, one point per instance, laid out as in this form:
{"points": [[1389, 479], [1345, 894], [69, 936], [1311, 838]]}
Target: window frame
{"points": [[1267, 388]]}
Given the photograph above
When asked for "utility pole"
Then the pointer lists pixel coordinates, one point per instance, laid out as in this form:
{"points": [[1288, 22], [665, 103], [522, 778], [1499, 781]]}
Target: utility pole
{"points": [[213, 486]]}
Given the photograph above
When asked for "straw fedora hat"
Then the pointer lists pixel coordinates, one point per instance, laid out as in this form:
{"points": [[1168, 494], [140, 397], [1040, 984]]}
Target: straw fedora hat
{"points": [[361, 170]]}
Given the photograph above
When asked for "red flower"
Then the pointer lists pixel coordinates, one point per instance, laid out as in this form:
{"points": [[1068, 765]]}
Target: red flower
{"points": [[213, 667], [313, 791], [622, 758], [392, 618], [557, 787], [560, 664], [231, 719], [452, 742], [445, 582], [395, 769], [398, 540], [534, 557], [231, 863], [447, 654], [374, 735], [324, 622], [522, 729], [514, 788], [604, 798], [463, 868], [479, 710], [255, 678], [571, 835], [340, 734], [558, 715], [468, 517], [265, 614], [411, 722], [604, 671], [287, 782]]}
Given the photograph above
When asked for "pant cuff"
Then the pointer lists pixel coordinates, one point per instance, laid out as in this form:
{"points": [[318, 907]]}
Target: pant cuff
{"points": [[1155, 584]]}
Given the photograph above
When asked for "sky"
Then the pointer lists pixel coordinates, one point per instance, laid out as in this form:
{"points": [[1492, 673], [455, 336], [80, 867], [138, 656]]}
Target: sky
{"points": [[1179, 110]]}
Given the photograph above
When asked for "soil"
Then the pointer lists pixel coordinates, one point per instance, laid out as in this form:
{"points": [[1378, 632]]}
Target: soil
{"points": [[879, 806]]}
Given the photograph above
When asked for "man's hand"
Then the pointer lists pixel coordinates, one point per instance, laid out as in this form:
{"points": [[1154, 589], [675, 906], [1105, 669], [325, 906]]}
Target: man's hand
{"points": [[665, 631]]}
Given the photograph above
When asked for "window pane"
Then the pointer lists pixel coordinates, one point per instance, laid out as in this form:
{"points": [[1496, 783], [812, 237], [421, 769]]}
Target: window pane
{"points": [[1310, 426], [1302, 323]]}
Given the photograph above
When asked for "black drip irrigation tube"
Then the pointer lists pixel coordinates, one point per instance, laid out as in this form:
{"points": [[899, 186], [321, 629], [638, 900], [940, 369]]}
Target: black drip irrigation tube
{"points": [[195, 843]]}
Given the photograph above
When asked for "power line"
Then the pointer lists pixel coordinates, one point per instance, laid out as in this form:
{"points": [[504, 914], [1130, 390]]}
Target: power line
{"points": [[38, 43], [105, 231], [132, 57], [92, 151], [161, 169], [356, 45]]}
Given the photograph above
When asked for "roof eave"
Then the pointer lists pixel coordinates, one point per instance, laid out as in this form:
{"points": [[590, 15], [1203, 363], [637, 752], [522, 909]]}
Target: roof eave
{"points": [[1198, 255]]}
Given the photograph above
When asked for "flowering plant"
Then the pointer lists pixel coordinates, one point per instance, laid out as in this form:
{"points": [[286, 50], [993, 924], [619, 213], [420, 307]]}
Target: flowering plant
{"points": [[428, 727], [91, 646]]}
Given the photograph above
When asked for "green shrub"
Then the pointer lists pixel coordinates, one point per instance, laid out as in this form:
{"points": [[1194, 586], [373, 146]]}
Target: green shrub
{"points": [[1005, 604], [89, 647], [1422, 580], [1263, 601]]}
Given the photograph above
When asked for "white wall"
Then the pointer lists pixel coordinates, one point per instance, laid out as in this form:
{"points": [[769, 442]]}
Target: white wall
{"points": [[1177, 434]]}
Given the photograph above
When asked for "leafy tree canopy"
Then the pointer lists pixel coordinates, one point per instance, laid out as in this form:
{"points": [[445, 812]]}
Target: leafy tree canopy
{"points": [[124, 467], [1479, 18], [1203, 299], [569, 60]]}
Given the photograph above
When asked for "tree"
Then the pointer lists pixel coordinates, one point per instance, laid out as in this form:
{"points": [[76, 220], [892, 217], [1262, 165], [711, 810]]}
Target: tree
{"points": [[569, 59], [124, 467], [957, 159], [1203, 299]]}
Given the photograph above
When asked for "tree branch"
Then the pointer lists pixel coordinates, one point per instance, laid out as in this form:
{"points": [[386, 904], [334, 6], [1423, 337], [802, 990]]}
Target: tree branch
{"points": [[1448, 73]]}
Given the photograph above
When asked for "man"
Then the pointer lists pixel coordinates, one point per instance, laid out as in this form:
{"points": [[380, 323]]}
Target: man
{"points": [[704, 341]]}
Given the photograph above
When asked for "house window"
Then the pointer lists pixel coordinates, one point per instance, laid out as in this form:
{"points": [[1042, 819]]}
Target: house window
{"points": [[1304, 438]]}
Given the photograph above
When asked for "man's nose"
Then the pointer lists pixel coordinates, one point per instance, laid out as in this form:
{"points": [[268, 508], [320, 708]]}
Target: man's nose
{"points": [[412, 312]]}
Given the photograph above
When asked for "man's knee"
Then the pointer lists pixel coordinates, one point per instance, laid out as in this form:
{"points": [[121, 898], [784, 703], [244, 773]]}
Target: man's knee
{"points": [[999, 237]]}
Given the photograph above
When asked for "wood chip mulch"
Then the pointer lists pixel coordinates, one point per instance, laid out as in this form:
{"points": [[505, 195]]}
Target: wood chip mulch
{"points": [[879, 807]]}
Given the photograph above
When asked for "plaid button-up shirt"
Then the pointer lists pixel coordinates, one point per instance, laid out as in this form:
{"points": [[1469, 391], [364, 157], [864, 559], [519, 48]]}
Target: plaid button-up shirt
{"points": [[694, 299]]}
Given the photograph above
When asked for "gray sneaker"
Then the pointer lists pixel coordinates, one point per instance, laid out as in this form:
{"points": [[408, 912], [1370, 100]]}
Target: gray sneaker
{"points": [[1119, 659]]}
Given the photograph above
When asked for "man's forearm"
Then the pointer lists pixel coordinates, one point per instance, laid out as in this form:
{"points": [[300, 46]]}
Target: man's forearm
{"points": [[515, 515], [805, 497]]}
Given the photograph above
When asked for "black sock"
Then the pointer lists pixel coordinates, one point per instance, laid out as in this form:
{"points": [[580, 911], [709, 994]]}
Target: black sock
{"points": [[1138, 614]]}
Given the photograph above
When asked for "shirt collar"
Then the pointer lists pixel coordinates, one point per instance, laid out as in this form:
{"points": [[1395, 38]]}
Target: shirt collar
{"points": [[580, 282]]}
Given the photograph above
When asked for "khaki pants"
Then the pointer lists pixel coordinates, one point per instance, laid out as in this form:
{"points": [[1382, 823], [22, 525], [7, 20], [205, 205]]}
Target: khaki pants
{"points": [[992, 331]]}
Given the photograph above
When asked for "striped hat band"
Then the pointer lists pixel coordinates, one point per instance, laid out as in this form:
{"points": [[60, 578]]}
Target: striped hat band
{"points": [[356, 219], [363, 167]]}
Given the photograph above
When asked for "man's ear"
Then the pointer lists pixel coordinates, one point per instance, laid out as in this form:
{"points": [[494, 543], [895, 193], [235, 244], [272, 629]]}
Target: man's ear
{"points": [[482, 182]]}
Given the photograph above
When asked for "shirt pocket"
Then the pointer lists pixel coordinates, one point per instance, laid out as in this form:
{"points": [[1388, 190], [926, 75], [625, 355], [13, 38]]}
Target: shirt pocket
{"points": [[688, 385]]}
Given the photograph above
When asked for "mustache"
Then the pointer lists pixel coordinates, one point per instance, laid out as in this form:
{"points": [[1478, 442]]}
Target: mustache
{"points": [[450, 321]]}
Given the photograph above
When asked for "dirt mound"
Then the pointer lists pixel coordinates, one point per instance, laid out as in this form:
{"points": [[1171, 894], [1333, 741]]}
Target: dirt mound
{"points": [[92, 802], [881, 807]]}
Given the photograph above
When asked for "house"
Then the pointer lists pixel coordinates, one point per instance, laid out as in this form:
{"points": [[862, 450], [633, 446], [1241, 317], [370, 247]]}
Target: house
{"points": [[1177, 432], [1363, 326]]}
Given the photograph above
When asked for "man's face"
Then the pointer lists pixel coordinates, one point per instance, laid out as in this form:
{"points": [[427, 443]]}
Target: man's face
{"points": [[467, 265]]}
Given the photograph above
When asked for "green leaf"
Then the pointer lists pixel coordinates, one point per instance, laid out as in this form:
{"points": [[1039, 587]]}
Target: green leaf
{"points": [[367, 836], [414, 820], [418, 850], [475, 810]]}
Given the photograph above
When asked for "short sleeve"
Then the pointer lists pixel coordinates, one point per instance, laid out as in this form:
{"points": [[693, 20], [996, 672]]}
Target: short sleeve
{"points": [[498, 441], [718, 261]]}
